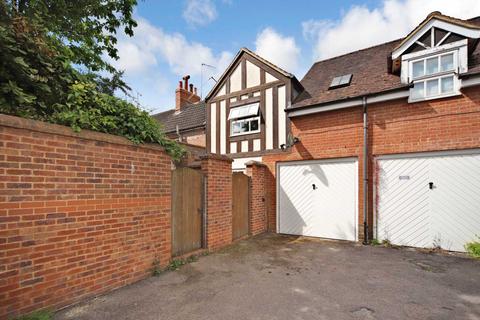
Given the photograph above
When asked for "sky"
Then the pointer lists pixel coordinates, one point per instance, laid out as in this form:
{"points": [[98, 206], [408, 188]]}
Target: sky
{"points": [[174, 38]]}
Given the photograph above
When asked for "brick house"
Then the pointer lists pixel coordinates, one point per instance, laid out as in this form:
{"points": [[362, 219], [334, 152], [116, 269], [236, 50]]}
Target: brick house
{"points": [[185, 123], [382, 142]]}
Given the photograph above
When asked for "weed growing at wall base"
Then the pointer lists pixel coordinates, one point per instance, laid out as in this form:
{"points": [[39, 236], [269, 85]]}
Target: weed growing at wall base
{"points": [[473, 248], [37, 315]]}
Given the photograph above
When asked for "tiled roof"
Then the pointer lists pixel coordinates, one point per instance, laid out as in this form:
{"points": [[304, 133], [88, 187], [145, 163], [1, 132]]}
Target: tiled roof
{"points": [[191, 117], [370, 73]]}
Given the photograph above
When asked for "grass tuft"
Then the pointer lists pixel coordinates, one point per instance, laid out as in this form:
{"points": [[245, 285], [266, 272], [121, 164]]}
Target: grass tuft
{"points": [[37, 315], [473, 248]]}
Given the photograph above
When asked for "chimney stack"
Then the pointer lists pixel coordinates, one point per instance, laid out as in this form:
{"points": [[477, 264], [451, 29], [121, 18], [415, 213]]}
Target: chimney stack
{"points": [[185, 94]]}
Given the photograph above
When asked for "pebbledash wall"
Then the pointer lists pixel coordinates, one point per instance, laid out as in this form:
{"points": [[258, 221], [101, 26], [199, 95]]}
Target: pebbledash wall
{"points": [[80, 214], [394, 127]]}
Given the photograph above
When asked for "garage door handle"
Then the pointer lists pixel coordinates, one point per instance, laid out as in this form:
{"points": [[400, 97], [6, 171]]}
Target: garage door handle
{"points": [[430, 185], [314, 187]]}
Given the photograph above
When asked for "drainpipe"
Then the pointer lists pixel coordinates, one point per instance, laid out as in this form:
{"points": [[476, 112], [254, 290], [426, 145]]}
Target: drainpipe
{"points": [[365, 171]]}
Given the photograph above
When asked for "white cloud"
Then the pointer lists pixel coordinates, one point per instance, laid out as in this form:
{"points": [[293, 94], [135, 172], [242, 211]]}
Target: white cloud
{"points": [[150, 45], [361, 27], [278, 49], [154, 61], [133, 58], [199, 12]]}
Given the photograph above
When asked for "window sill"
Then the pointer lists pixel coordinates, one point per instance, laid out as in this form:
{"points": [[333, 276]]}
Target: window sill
{"points": [[453, 94], [244, 133]]}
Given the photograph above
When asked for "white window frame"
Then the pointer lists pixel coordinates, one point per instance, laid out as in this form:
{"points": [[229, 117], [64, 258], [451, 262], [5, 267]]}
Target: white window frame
{"points": [[441, 74], [232, 122]]}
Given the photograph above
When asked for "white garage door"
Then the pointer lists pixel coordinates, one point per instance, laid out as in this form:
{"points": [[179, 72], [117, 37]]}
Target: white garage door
{"points": [[318, 198], [430, 200]]}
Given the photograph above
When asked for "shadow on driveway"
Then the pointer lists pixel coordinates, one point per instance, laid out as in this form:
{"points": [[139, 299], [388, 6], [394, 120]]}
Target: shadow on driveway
{"points": [[281, 277]]}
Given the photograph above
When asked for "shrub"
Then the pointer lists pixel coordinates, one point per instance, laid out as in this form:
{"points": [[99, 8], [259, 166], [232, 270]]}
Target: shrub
{"points": [[46, 67], [473, 248]]}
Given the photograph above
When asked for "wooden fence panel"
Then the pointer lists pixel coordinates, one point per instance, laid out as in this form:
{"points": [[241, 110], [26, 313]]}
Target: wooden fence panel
{"points": [[240, 214], [187, 210]]}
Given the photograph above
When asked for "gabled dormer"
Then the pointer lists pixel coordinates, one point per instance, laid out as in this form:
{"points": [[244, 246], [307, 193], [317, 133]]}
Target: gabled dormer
{"points": [[434, 55]]}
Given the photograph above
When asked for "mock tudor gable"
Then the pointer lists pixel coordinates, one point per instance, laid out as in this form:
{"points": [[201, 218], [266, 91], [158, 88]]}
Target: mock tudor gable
{"points": [[246, 109]]}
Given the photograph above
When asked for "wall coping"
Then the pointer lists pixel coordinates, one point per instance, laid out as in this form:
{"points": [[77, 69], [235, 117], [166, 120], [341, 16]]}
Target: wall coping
{"points": [[56, 129], [214, 156], [252, 163]]}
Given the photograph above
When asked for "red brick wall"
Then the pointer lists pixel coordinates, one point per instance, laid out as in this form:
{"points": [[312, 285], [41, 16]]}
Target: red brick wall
{"points": [[257, 206], [80, 214], [394, 127], [218, 174]]}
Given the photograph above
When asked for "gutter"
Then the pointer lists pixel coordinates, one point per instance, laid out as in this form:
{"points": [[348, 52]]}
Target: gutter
{"points": [[186, 129], [470, 80], [392, 94]]}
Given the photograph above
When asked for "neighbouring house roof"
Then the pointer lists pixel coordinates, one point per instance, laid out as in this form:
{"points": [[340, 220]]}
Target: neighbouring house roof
{"points": [[190, 117], [256, 56], [371, 74]]}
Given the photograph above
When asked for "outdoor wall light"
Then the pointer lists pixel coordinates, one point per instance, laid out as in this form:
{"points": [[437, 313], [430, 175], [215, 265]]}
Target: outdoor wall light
{"points": [[290, 142]]}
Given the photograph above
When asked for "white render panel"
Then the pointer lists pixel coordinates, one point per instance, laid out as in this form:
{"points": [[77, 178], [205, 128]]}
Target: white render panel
{"points": [[233, 147], [236, 79], [222, 91], [213, 128], [269, 118], [245, 146], [256, 94], [239, 163], [282, 120], [412, 214], [223, 128], [462, 59], [269, 78], [256, 145], [253, 75], [328, 210]]}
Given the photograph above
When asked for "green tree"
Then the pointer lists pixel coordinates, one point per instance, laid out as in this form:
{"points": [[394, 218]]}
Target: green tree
{"points": [[52, 67]]}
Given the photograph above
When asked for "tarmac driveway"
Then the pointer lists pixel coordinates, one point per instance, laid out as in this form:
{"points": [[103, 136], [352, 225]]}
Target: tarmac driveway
{"points": [[280, 277]]}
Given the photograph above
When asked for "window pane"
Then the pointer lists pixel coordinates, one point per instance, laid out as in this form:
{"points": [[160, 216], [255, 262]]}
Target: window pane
{"points": [[254, 125], [446, 62], [417, 69], [447, 85], [418, 90], [335, 81], [432, 87], [432, 65], [236, 127], [245, 126]]}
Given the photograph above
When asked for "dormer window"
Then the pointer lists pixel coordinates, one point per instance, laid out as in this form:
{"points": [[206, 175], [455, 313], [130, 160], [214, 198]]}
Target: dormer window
{"points": [[434, 76]]}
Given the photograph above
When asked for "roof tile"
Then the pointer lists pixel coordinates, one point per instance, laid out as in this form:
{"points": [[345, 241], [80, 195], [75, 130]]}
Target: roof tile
{"points": [[191, 117]]}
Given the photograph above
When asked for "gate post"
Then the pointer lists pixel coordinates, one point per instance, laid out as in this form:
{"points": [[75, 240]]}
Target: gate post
{"points": [[257, 206], [218, 198]]}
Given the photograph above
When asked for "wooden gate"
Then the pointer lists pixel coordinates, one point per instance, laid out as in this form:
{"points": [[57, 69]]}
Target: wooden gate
{"points": [[187, 210], [240, 214]]}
